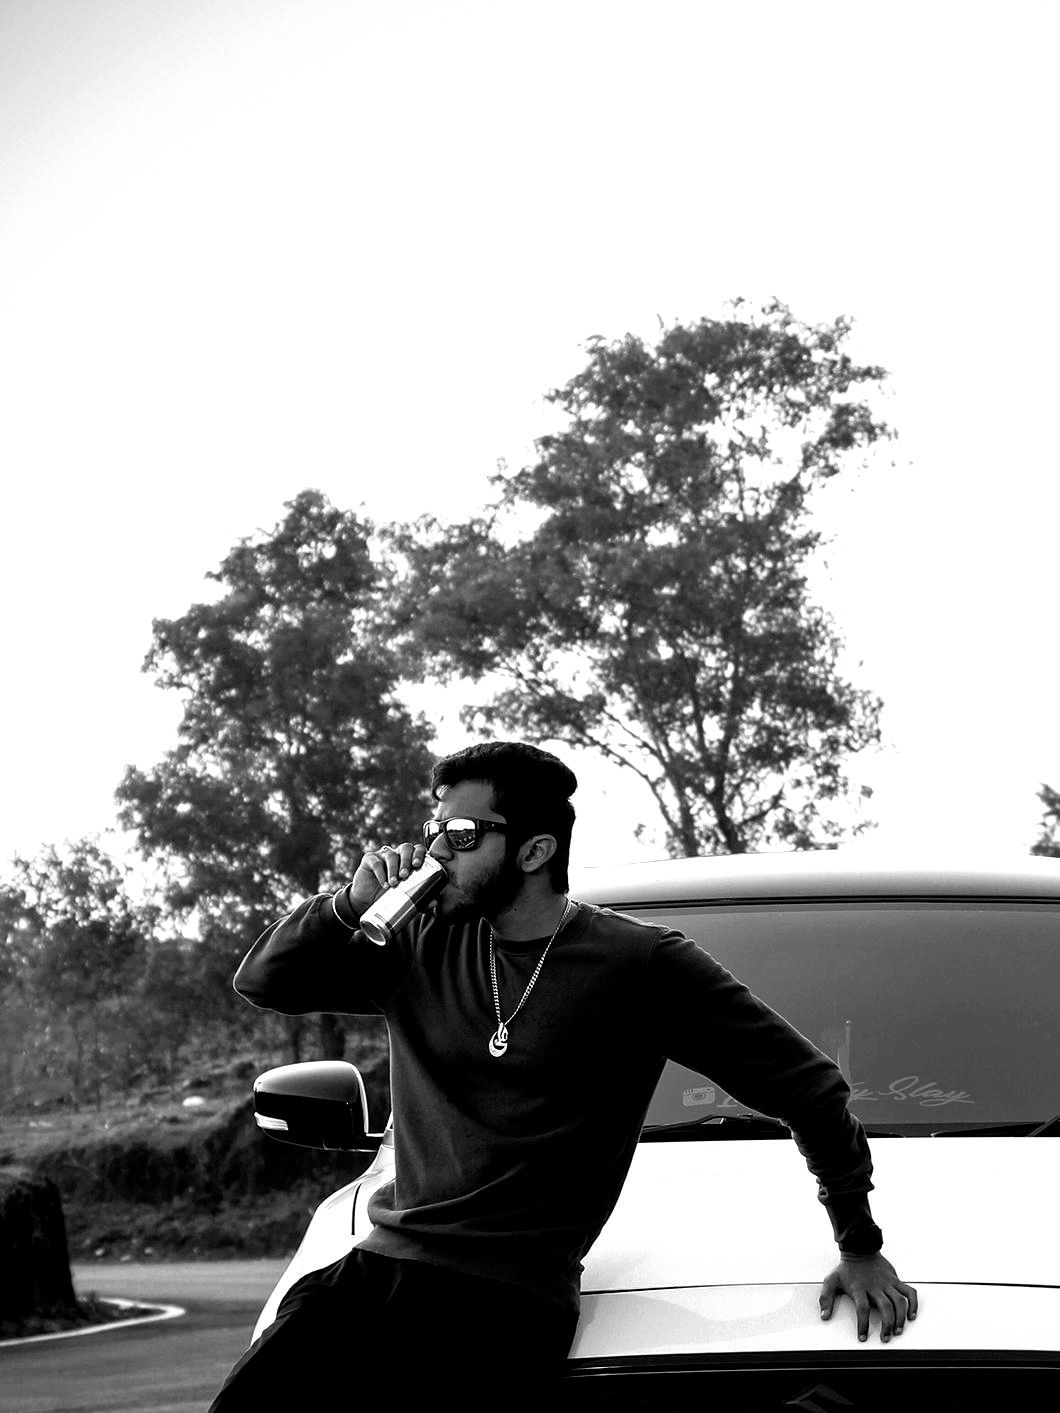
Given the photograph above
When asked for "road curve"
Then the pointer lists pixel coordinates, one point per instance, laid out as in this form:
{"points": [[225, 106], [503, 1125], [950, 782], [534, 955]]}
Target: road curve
{"points": [[173, 1367]]}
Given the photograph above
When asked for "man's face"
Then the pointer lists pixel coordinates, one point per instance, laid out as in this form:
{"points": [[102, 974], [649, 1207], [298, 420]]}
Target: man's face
{"points": [[482, 881]]}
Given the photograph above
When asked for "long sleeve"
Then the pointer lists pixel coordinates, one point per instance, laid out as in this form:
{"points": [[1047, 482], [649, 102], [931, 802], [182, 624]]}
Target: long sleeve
{"points": [[712, 1023], [308, 961]]}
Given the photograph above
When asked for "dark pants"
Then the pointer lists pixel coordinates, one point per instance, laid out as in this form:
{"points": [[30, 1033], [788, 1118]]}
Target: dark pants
{"points": [[371, 1326]]}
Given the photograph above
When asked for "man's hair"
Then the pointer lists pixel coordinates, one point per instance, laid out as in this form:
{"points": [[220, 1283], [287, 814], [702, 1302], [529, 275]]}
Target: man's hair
{"points": [[528, 786]]}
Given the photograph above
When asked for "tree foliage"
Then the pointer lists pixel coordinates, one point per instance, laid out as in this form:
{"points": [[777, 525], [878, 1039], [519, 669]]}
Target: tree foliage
{"points": [[1049, 840], [16, 942], [15, 933], [641, 589], [294, 753], [90, 936], [94, 1000], [82, 947]]}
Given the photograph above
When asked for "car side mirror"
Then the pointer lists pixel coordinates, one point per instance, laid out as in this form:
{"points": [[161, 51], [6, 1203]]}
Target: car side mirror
{"points": [[315, 1104]]}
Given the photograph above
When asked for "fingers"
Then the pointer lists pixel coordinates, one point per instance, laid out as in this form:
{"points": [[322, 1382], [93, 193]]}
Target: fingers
{"points": [[383, 868], [904, 1309], [861, 1311], [390, 865], [894, 1301], [888, 1315], [897, 1304], [403, 861]]}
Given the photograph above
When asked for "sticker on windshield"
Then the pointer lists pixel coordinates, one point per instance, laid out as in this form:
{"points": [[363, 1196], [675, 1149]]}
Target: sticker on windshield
{"points": [[701, 1095], [927, 1094]]}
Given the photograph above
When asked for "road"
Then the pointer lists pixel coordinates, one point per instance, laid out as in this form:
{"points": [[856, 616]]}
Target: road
{"points": [[172, 1367]]}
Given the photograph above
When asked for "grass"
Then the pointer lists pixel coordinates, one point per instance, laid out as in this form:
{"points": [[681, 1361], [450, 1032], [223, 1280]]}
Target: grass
{"points": [[28, 1138], [179, 1230], [150, 1177]]}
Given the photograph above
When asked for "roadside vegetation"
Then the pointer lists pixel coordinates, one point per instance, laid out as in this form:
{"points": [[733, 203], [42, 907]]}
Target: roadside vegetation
{"points": [[87, 1310], [145, 1176]]}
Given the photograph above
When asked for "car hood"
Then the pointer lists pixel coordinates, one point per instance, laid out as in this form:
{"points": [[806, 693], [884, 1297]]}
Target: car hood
{"points": [[717, 1249], [735, 1212]]}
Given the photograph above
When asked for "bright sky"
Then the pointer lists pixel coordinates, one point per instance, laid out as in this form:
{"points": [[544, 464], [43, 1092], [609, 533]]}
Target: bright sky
{"points": [[249, 246]]}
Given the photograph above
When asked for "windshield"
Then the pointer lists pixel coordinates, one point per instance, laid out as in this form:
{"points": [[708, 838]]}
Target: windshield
{"points": [[939, 1014]]}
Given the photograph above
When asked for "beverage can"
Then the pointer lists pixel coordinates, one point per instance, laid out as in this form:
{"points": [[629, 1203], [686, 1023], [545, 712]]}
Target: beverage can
{"points": [[395, 908]]}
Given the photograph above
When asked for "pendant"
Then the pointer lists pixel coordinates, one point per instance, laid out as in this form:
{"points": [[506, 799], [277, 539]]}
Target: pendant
{"points": [[499, 1041]]}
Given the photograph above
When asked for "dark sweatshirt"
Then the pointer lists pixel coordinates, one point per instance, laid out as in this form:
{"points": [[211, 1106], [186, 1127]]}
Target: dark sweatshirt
{"points": [[508, 1167]]}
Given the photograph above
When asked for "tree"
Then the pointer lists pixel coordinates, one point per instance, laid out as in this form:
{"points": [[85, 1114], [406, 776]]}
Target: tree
{"points": [[16, 931], [37, 1286], [641, 590], [1049, 842], [295, 754], [84, 941], [172, 1009], [17, 934]]}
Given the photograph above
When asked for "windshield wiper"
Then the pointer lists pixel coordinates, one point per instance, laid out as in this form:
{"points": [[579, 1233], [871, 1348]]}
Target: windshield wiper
{"points": [[1024, 1128], [716, 1126], [734, 1126]]}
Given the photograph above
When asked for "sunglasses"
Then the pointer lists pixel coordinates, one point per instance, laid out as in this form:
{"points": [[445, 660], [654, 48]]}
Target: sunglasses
{"points": [[460, 834]]}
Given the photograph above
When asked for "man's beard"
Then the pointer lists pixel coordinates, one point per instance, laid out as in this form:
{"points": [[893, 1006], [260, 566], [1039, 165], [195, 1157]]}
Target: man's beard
{"points": [[490, 897]]}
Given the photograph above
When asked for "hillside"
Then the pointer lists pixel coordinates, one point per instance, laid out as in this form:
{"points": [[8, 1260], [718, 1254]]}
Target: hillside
{"points": [[183, 1175]]}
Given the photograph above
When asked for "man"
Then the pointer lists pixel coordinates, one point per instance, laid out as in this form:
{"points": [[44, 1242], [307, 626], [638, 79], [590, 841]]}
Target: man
{"points": [[527, 1033]]}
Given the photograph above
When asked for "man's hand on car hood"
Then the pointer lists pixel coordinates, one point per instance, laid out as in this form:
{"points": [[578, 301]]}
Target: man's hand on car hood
{"points": [[872, 1283]]}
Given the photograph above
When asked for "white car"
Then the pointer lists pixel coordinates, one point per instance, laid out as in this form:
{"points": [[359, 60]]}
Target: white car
{"points": [[936, 990]]}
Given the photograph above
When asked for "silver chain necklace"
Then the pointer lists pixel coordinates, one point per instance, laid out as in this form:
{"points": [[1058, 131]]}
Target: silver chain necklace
{"points": [[499, 1038]]}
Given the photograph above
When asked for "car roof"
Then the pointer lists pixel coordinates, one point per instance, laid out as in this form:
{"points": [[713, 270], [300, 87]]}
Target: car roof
{"points": [[853, 872]]}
